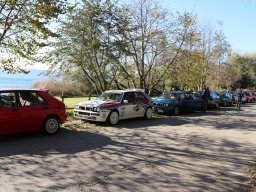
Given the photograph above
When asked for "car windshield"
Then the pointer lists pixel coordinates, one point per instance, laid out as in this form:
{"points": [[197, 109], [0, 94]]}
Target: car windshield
{"points": [[169, 96], [213, 94], [111, 96]]}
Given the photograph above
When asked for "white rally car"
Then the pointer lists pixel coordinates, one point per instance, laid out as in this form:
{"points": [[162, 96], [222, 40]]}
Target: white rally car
{"points": [[115, 105]]}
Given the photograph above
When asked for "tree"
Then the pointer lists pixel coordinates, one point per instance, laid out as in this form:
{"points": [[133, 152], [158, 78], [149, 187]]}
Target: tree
{"points": [[200, 61], [24, 27], [153, 41], [246, 66], [229, 75], [214, 50], [89, 43]]}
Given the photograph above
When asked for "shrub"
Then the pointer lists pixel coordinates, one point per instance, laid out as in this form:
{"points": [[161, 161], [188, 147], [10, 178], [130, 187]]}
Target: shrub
{"points": [[64, 87]]}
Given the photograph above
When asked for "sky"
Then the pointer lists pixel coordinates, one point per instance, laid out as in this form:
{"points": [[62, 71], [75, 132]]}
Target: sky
{"points": [[238, 18]]}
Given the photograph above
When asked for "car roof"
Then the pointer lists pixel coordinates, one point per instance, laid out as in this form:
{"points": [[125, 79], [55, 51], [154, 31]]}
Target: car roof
{"points": [[177, 92], [18, 89], [125, 90]]}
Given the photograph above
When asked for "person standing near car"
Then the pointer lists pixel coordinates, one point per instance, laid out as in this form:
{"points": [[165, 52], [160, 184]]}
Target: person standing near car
{"points": [[205, 97], [239, 94]]}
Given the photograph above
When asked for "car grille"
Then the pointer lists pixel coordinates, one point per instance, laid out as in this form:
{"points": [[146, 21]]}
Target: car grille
{"points": [[158, 104], [84, 113], [85, 108]]}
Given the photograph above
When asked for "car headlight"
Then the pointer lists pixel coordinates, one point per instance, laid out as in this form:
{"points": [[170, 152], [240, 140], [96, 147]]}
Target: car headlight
{"points": [[76, 107], [166, 105], [96, 109]]}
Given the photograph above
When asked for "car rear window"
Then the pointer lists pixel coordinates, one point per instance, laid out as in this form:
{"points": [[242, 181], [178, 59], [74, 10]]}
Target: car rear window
{"points": [[7, 99], [167, 95]]}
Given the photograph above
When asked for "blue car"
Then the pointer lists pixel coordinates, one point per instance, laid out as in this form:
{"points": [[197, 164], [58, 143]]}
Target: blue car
{"points": [[176, 102], [226, 99]]}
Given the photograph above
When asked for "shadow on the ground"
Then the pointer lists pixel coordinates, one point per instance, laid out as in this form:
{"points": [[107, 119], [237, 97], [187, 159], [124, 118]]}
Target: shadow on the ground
{"points": [[221, 118], [64, 142], [192, 162], [133, 157]]}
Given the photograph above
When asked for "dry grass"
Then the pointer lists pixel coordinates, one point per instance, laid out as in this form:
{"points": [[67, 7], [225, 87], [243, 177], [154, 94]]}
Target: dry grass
{"points": [[78, 125], [251, 180]]}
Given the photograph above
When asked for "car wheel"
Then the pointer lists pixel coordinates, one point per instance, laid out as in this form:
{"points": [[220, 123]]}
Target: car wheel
{"points": [[148, 114], [176, 111], [113, 118], [51, 125]]}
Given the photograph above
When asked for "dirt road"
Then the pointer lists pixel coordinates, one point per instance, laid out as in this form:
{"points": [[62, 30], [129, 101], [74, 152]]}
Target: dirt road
{"points": [[193, 152]]}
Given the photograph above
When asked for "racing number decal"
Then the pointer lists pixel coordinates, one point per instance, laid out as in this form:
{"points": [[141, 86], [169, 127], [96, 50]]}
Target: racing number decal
{"points": [[136, 108]]}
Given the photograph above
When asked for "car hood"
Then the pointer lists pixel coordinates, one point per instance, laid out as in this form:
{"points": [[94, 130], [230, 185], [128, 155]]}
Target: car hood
{"points": [[161, 100], [97, 103]]}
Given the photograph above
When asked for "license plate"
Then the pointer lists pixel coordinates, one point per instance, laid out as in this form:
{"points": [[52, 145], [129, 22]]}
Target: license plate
{"points": [[160, 111]]}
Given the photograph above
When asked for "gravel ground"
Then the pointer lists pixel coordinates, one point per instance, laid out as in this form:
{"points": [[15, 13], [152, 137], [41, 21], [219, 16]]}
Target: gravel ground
{"points": [[212, 151]]}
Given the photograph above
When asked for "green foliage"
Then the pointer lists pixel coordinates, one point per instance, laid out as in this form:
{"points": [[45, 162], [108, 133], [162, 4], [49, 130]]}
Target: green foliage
{"points": [[70, 112], [24, 28], [247, 67]]}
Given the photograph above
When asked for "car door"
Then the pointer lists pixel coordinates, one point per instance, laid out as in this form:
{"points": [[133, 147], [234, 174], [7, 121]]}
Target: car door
{"points": [[190, 103], [32, 109], [128, 105], [140, 107], [10, 121]]}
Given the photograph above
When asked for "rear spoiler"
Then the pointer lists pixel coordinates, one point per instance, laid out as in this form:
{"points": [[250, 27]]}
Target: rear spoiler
{"points": [[44, 90]]}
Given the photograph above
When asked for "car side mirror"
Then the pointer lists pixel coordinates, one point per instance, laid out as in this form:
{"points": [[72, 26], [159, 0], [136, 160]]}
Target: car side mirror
{"points": [[125, 101]]}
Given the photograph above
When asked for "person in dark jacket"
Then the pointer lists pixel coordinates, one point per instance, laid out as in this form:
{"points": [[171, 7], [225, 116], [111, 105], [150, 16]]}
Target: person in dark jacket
{"points": [[205, 97]]}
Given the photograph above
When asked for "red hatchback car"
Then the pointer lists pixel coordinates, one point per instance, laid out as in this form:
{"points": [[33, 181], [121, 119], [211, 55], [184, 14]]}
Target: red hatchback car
{"points": [[30, 110]]}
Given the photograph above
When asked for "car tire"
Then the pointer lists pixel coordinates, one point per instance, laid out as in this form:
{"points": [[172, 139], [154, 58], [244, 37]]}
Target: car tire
{"points": [[113, 118], [51, 125], [176, 111], [148, 114]]}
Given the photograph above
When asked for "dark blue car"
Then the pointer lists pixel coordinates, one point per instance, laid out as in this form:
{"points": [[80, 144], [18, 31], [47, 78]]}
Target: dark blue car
{"points": [[176, 102], [226, 99]]}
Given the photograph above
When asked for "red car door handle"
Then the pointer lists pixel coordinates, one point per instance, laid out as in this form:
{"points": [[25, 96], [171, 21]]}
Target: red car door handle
{"points": [[14, 110]]}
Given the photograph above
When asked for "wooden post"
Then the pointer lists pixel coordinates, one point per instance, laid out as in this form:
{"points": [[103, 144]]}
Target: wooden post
{"points": [[62, 97]]}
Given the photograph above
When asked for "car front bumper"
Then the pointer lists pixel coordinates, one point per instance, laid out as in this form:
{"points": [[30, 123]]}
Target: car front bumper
{"points": [[161, 109], [100, 116]]}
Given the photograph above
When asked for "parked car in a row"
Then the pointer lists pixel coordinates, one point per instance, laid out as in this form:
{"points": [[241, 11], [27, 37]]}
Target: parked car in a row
{"points": [[226, 99], [30, 110], [249, 96], [116, 105], [176, 102]]}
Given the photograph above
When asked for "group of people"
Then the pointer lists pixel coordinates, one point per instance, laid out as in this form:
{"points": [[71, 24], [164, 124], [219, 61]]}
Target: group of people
{"points": [[206, 97]]}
